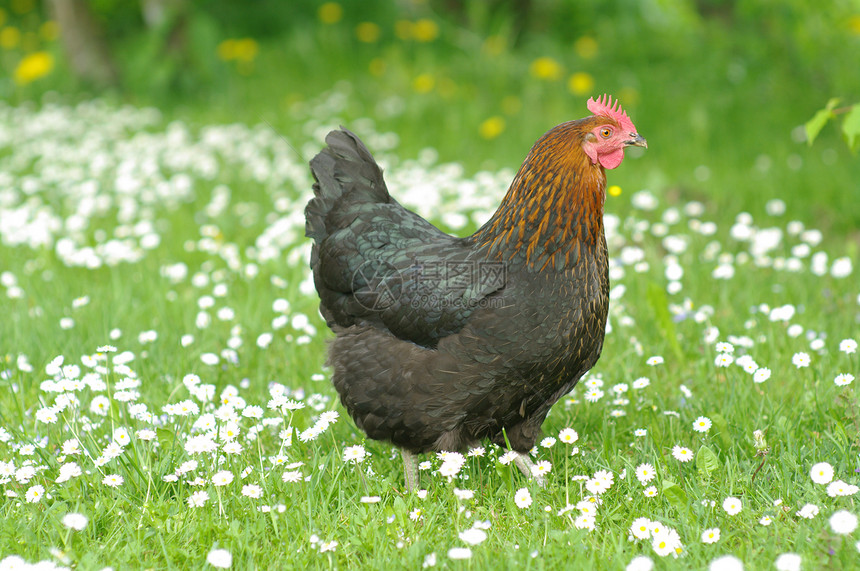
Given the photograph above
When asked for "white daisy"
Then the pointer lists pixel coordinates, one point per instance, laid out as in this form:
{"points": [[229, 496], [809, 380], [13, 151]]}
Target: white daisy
{"points": [[541, 469], [840, 488], [354, 454], [641, 383], [788, 562], [645, 473], [726, 563], [594, 395], [732, 505], [252, 491], [113, 480], [641, 528], [222, 478], [761, 375], [821, 473], [808, 511], [848, 346], [198, 499], [584, 521], [843, 522], [663, 543], [473, 536], [682, 454], [522, 498], [568, 435], [75, 521], [800, 360], [702, 424], [220, 558], [34, 494], [459, 553], [711, 535], [640, 563]]}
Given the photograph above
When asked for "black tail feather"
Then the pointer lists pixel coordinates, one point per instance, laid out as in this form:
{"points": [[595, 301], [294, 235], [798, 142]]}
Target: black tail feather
{"points": [[344, 169]]}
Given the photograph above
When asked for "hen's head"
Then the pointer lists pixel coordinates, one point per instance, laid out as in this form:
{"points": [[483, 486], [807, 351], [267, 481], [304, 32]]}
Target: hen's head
{"points": [[609, 131]]}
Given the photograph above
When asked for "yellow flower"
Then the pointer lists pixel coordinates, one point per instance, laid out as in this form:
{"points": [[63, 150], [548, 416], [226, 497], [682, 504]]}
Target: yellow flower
{"points": [[34, 66], [246, 49], [367, 32], [854, 24], [403, 29], [10, 37], [425, 30], [423, 83], [580, 83], [493, 45], [227, 49], [243, 49], [492, 127], [49, 31], [545, 68], [330, 13], [614, 190], [585, 47]]}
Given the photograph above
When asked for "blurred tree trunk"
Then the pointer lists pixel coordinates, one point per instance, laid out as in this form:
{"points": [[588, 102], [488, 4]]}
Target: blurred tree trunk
{"points": [[83, 42], [521, 10], [171, 15], [156, 12]]}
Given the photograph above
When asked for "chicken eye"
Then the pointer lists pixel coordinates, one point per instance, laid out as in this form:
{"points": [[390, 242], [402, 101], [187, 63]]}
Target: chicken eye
{"points": [[605, 132]]}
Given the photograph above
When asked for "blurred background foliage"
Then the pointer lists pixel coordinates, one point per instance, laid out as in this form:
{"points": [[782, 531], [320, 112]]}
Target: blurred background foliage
{"points": [[721, 88]]}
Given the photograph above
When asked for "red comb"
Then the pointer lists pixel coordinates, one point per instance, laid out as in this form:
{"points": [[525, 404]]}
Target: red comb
{"points": [[604, 106]]}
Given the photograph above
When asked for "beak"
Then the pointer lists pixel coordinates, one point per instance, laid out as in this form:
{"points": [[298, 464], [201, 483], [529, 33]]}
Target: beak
{"points": [[637, 141]]}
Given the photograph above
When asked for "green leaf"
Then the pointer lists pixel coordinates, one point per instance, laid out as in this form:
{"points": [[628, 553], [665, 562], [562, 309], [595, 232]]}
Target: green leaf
{"points": [[722, 430], [399, 508], [851, 127], [819, 120], [706, 463], [660, 305], [676, 496], [166, 439]]}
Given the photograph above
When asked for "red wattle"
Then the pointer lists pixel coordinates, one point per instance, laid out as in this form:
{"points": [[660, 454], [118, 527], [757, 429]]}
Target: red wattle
{"points": [[611, 160]]}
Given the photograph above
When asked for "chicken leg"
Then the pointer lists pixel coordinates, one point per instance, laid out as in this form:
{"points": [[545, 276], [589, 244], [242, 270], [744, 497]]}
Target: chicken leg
{"points": [[410, 468], [525, 464]]}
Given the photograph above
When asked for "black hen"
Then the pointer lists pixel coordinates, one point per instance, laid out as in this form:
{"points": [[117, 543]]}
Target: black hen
{"points": [[443, 341]]}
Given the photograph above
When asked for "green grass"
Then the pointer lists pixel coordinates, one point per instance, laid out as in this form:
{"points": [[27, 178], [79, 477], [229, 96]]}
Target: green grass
{"points": [[248, 251]]}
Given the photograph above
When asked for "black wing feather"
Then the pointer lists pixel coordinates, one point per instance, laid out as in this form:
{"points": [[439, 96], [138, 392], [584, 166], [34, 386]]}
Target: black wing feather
{"points": [[375, 262]]}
